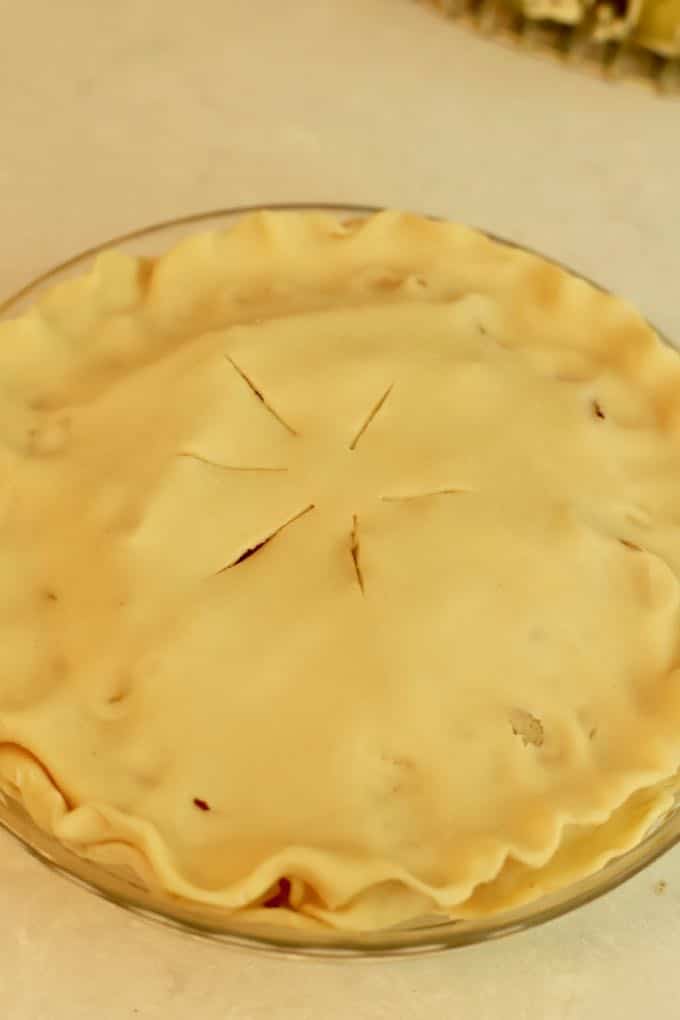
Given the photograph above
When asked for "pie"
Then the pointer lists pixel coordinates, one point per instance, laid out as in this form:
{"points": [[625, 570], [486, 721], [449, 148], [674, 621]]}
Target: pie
{"points": [[339, 568]]}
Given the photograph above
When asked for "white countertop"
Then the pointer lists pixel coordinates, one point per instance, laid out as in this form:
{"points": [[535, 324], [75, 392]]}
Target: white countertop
{"points": [[122, 114]]}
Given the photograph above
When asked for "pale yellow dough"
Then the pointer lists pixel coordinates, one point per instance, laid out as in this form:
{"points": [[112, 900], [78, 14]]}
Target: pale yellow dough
{"points": [[447, 676]]}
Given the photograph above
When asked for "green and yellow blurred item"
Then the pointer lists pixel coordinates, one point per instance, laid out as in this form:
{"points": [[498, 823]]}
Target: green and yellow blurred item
{"points": [[643, 35]]}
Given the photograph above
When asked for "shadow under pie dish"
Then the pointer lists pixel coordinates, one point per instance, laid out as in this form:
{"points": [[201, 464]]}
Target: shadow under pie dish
{"points": [[340, 581]]}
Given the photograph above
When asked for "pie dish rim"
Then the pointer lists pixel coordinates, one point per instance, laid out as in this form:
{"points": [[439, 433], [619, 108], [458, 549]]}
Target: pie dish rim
{"points": [[417, 937]]}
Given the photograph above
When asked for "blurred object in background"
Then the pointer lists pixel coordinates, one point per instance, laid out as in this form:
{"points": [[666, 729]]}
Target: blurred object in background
{"points": [[635, 38]]}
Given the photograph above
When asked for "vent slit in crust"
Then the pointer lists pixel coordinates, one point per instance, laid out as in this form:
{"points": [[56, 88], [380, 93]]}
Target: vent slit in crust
{"points": [[247, 553], [230, 467], [260, 395], [354, 549], [371, 415]]}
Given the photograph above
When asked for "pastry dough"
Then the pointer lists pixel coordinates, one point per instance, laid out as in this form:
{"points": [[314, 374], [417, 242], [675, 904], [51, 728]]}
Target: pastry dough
{"points": [[345, 554]]}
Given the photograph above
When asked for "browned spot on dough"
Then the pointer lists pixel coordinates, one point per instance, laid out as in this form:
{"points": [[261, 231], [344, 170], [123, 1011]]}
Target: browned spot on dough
{"points": [[49, 437], [403, 771], [353, 224], [121, 689], [145, 269], [668, 403], [127, 519], [50, 596], [59, 666], [545, 283], [401, 761], [630, 545], [116, 697], [597, 410], [201, 804], [527, 727], [629, 344], [388, 281]]}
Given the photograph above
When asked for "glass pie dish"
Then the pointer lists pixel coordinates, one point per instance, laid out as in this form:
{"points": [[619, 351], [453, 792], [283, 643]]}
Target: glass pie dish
{"points": [[426, 934]]}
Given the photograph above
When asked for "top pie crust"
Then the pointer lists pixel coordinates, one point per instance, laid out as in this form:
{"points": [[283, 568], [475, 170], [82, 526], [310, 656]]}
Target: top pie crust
{"points": [[340, 552]]}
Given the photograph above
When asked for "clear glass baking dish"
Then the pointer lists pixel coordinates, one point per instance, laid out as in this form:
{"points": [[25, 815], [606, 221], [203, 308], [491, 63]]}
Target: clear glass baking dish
{"points": [[426, 935]]}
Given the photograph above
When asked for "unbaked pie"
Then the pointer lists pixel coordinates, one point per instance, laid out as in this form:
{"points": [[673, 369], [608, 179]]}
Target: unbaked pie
{"points": [[339, 568]]}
